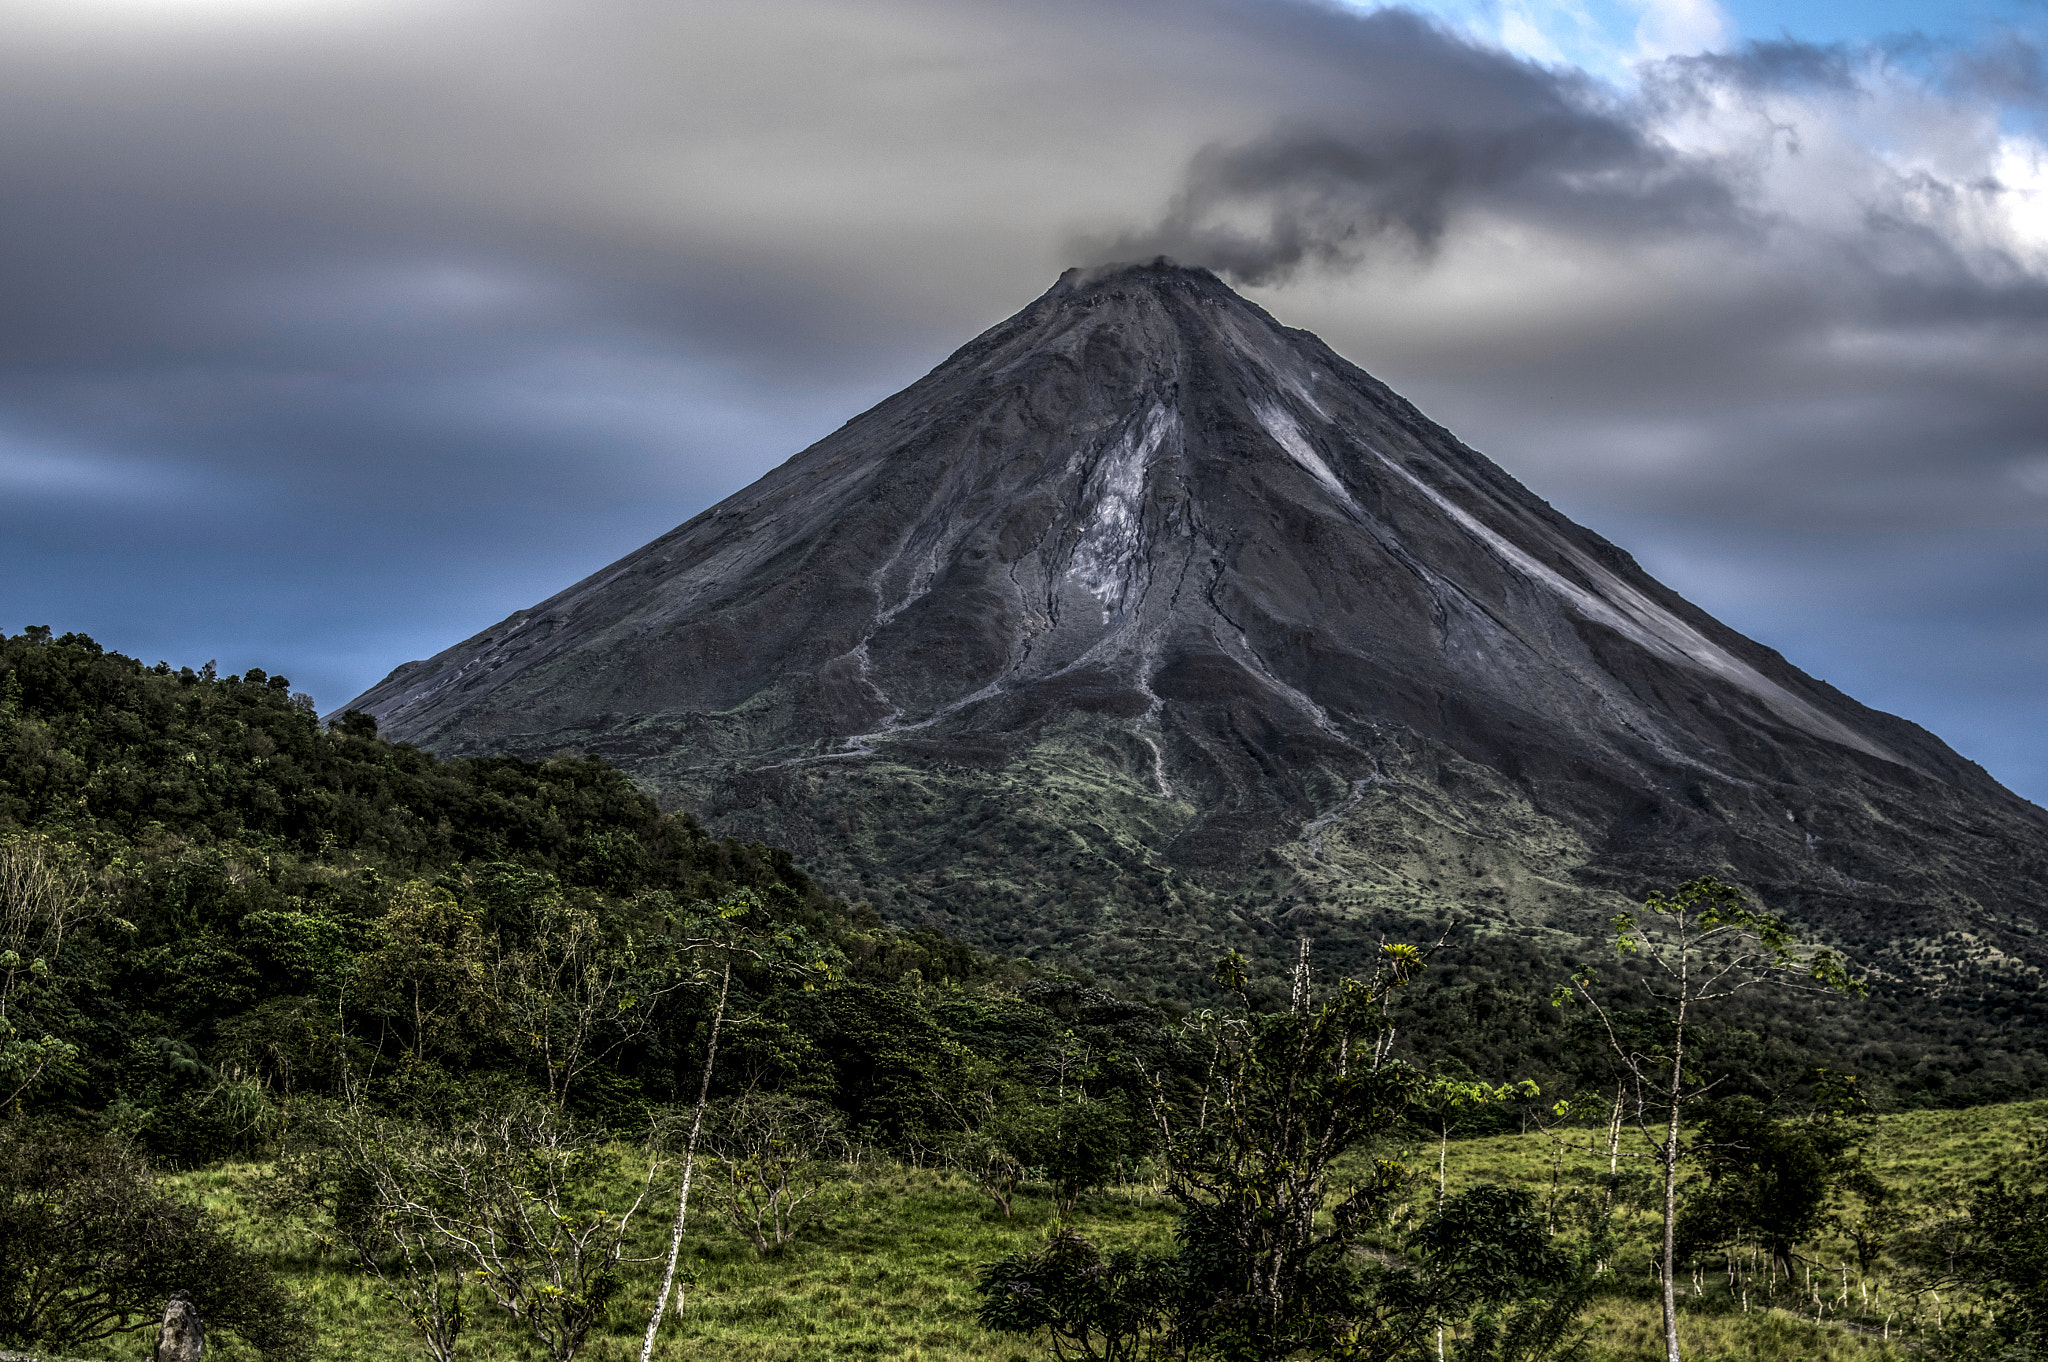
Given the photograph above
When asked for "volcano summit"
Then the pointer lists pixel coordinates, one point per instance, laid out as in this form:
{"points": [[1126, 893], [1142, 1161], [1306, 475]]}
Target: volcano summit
{"points": [[1144, 621]]}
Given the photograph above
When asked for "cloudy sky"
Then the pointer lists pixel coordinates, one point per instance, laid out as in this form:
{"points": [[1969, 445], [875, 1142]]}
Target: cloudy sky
{"points": [[334, 330]]}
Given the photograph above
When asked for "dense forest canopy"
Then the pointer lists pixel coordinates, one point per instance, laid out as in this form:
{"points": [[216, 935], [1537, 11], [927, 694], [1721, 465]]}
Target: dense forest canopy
{"points": [[267, 901], [262, 902]]}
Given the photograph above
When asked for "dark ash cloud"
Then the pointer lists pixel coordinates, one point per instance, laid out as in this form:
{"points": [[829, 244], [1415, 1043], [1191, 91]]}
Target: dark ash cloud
{"points": [[1475, 133], [1324, 199]]}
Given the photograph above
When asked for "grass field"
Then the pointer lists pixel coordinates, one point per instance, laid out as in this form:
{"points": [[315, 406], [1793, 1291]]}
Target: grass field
{"points": [[891, 1272]]}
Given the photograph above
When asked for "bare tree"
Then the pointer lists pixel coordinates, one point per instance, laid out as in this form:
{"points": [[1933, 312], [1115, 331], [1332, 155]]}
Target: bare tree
{"points": [[775, 1171], [573, 996], [513, 1203], [420, 1272], [43, 900], [717, 933], [1703, 943], [675, 1236]]}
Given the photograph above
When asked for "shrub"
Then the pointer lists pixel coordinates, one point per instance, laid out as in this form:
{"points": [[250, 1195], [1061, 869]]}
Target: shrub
{"points": [[91, 1246]]}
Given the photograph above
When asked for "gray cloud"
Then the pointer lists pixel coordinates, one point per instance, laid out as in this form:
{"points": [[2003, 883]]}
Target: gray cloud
{"points": [[1468, 132], [1321, 198], [332, 332], [1778, 66]]}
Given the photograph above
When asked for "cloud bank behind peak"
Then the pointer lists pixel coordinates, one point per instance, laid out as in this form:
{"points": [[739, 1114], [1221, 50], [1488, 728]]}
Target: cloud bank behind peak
{"points": [[425, 310]]}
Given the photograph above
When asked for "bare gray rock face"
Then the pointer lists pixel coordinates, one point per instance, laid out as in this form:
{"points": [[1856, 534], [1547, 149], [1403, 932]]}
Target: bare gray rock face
{"points": [[183, 1336], [1144, 620]]}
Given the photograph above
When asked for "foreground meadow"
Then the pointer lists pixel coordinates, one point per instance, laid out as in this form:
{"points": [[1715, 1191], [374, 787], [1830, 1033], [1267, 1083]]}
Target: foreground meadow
{"points": [[889, 1272]]}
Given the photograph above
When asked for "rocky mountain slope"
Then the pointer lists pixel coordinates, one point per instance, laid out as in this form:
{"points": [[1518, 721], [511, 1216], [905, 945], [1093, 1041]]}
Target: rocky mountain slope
{"points": [[1144, 622]]}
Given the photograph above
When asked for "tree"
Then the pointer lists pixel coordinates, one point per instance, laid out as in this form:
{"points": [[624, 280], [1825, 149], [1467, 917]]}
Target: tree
{"points": [[1778, 1181], [1114, 1307], [43, 901], [1767, 1180], [573, 996], [1269, 1259], [1486, 1254], [427, 967], [1997, 1247], [91, 1247], [1078, 1139], [1002, 1130], [1081, 1143], [510, 1202], [1701, 944], [1483, 1254], [775, 1168], [1442, 1102], [353, 723], [1285, 1095], [988, 1154], [1077, 1145]]}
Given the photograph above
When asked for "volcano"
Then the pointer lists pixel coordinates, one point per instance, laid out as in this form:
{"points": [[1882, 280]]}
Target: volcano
{"points": [[1145, 623]]}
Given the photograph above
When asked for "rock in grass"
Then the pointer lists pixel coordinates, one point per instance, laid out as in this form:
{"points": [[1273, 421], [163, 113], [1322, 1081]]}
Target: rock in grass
{"points": [[183, 1337]]}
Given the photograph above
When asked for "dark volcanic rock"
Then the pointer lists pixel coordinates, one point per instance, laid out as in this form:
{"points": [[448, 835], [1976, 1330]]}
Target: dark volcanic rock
{"points": [[182, 1337], [1144, 619]]}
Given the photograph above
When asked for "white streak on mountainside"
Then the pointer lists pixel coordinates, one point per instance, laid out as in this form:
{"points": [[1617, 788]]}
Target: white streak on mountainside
{"points": [[1105, 560]]}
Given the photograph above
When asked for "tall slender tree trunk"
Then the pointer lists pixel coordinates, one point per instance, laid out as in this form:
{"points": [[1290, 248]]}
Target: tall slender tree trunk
{"points": [[1614, 1142], [675, 1237], [1670, 1160]]}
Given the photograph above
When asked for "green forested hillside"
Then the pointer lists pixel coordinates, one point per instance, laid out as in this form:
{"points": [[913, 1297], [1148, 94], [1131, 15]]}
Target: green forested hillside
{"points": [[282, 1003], [240, 866], [257, 900]]}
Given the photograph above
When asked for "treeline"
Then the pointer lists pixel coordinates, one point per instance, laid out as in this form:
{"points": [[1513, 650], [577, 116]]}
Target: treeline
{"points": [[255, 905], [1486, 1006]]}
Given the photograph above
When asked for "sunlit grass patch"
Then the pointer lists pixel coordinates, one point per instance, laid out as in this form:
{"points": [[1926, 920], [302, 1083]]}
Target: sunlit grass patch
{"points": [[891, 1274]]}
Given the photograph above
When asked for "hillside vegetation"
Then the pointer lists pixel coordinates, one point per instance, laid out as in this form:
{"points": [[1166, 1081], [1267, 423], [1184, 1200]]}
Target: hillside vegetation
{"points": [[294, 1017], [260, 904]]}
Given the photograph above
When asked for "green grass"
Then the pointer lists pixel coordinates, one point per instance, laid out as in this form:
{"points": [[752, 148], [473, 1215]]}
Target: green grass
{"points": [[1736, 1308], [890, 1274]]}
